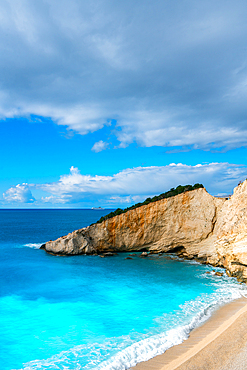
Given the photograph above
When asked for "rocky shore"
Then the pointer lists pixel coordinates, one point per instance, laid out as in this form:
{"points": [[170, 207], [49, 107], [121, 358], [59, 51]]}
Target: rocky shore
{"points": [[193, 224]]}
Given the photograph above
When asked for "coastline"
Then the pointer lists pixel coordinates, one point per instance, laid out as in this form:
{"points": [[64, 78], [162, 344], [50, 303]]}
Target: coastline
{"points": [[215, 345]]}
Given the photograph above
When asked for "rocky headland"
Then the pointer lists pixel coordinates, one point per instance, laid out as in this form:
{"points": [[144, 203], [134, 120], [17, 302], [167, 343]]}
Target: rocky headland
{"points": [[193, 224]]}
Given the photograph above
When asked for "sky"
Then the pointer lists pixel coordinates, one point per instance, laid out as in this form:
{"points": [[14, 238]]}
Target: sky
{"points": [[105, 103]]}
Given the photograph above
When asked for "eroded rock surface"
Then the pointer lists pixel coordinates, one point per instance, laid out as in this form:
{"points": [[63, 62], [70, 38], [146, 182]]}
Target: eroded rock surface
{"points": [[231, 242], [195, 224], [186, 220]]}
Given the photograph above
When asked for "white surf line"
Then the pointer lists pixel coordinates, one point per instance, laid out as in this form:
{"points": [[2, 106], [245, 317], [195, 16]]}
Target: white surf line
{"points": [[173, 365], [199, 338]]}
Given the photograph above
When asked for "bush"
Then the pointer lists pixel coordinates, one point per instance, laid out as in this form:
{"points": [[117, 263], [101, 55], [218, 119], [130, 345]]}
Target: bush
{"points": [[171, 193]]}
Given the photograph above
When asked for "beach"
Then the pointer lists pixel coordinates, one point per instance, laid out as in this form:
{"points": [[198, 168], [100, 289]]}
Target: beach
{"points": [[219, 344]]}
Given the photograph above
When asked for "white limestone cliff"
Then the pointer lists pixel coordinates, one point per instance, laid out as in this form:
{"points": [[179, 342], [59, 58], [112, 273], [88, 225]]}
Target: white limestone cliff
{"points": [[195, 224]]}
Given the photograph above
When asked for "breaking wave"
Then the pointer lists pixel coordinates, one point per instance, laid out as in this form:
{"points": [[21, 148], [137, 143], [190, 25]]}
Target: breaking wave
{"points": [[121, 353], [33, 245]]}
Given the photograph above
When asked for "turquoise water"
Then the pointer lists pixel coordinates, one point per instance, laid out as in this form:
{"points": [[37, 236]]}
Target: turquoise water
{"points": [[87, 312]]}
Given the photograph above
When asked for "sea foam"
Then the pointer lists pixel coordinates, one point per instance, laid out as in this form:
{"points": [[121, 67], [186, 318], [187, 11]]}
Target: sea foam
{"points": [[33, 245], [127, 351]]}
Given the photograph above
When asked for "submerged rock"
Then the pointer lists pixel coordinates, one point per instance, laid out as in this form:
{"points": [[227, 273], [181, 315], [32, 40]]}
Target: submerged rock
{"points": [[110, 254], [219, 273], [144, 254]]}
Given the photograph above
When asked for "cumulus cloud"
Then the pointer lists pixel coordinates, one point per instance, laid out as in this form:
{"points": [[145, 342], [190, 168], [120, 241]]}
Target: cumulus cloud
{"points": [[170, 74], [99, 146], [21, 193], [130, 185]]}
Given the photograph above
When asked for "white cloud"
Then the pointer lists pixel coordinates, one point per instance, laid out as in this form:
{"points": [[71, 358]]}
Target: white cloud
{"points": [[169, 129], [56, 200], [130, 185], [21, 193], [170, 75], [125, 200], [99, 146]]}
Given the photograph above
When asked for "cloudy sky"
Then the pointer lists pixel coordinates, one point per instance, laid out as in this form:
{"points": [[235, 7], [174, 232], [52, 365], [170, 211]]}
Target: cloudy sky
{"points": [[106, 102]]}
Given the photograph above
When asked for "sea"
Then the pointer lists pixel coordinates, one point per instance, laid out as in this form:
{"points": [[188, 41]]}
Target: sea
{"points": [[88, 312]]}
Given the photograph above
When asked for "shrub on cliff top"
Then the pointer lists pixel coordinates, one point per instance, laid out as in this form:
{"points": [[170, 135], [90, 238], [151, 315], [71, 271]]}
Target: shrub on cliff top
{"points": [[171, 193]]}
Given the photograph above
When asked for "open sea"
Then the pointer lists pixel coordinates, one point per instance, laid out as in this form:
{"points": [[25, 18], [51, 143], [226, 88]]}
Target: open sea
{"points": [[87, 312]]}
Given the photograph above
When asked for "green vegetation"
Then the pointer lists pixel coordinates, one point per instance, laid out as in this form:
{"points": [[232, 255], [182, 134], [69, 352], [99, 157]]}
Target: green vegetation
{"points": [[171, 193]]}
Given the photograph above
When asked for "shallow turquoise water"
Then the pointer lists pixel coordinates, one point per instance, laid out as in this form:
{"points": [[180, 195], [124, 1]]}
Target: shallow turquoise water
{"points": [[87, 312]]}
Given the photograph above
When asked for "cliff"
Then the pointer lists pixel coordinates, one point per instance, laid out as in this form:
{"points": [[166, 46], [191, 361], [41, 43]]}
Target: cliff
{"points": [[194, 224], [231, 242]]}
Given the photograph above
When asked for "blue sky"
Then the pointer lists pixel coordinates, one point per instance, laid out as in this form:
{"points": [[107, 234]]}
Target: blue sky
{"points": [[107, 103]]}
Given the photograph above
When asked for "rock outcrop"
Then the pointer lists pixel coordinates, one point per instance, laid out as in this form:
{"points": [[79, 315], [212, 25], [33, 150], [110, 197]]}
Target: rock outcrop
{"points": [[194, 224], [231, 241]]}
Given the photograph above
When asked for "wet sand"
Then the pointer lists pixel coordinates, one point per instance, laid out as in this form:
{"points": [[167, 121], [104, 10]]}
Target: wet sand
{"points": [[219, 344]]}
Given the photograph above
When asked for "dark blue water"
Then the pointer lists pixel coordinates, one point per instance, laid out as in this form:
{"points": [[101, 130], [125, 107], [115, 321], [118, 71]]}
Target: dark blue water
{"points": [[87, 312]]}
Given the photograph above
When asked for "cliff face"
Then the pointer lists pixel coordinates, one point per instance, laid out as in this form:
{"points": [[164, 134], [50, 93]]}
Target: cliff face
{"points": [[185, 220], [194, 223], [231, 242]]}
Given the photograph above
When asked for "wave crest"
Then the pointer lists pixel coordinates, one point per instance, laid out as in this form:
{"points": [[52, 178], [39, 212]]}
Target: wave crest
{"points": [[127, 351], [33, 245]]}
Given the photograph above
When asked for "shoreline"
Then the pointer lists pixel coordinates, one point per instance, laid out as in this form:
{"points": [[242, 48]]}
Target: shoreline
{"points": [[214, 345]]}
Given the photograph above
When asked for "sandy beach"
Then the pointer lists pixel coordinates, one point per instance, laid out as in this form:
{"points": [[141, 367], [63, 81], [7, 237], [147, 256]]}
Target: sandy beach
{"points": [[219, 344]]}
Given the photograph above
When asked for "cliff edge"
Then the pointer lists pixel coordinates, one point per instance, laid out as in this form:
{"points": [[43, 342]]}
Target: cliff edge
{"points": [[194, 224]]}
